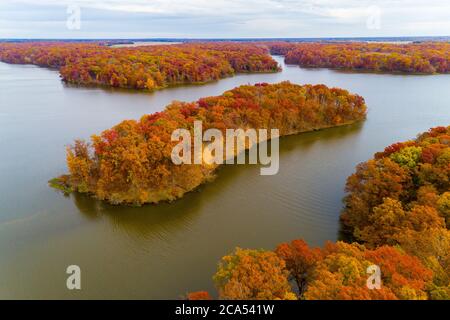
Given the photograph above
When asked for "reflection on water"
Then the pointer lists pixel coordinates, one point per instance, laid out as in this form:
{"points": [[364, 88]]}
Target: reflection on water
{"points": [[166, 250], [150, 220]]}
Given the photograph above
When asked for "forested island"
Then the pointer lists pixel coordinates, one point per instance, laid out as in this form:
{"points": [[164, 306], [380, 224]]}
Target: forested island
{"points": [[131, 163], [398, 212], [422, 58], [160, 66], [142, 68]]}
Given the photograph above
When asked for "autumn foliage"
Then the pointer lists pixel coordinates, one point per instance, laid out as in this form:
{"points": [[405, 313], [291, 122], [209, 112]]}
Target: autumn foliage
{"points": [[405, 187], [397, 211], [253, 274], [401, 197], [146, 67], [199, 295], [131, 162], [342, 274], [336, 272], [427, 58]]}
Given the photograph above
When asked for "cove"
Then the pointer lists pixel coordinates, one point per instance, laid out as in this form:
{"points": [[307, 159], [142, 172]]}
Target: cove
{"points": [[165, 251]]}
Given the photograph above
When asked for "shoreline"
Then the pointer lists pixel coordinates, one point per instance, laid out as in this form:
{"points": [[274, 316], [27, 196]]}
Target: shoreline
{"points": [[60, 183]]}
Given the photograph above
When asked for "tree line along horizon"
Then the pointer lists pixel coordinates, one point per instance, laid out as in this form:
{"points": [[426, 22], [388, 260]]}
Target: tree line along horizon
{"points": [[147, 68], [157, 67], [420, 58], [397, 208]]}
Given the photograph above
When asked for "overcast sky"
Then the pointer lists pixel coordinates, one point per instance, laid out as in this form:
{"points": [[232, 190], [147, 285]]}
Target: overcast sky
{"points": [[222, 18]]}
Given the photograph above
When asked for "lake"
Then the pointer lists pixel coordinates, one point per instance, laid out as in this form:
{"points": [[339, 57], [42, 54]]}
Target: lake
{"points": [[164, 251]]}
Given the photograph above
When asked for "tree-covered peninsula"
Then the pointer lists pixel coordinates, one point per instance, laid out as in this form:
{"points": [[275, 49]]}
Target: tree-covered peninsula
{"points": [[131, 163], [147, 68]]}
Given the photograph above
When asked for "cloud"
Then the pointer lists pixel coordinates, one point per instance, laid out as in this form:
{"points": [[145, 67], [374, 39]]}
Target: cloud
{"points": [[224, 18]]}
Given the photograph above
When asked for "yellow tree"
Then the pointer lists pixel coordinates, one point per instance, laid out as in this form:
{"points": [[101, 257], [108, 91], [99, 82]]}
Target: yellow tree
{"points": [[253, 274]]}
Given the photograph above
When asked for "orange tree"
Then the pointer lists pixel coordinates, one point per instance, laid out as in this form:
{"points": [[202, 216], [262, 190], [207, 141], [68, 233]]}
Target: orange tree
{"points": [[342, 274], [253, 274]]}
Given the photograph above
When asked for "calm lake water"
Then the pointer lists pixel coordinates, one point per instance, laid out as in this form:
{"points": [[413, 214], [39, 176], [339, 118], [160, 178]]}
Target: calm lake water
{"points": [[165, 251]]}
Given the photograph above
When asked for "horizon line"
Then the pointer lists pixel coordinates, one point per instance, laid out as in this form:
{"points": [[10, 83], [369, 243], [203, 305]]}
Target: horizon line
{"points": [[231, 38]]}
